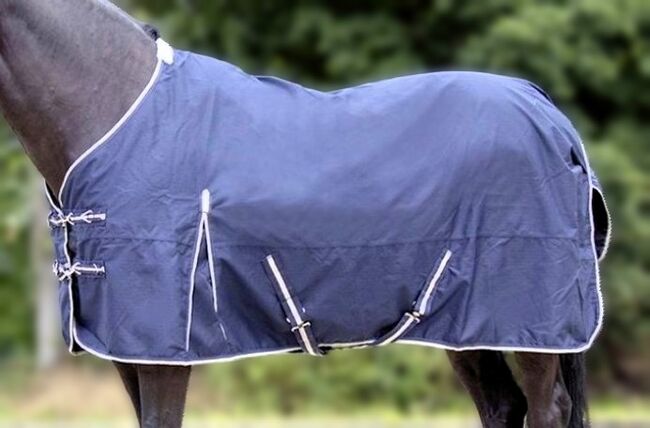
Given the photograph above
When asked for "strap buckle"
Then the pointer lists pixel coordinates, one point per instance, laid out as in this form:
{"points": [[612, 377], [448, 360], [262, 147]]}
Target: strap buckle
{"points": [[415, 316], [301, 326]]}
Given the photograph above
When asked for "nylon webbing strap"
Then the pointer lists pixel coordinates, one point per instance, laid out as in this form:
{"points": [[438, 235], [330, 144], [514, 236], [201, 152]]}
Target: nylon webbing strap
{"points": [[421, 306], [293, 310], [64, 271], [57, 219]]}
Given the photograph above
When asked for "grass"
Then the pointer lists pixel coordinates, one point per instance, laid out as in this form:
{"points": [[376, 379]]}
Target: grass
{"points": [[89, 395]]}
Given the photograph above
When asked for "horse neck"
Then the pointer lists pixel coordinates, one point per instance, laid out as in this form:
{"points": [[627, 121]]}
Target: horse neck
{"points": [[69, 69]]}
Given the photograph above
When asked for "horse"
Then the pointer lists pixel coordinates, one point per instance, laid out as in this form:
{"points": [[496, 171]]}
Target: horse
{"points": [[63, 86]]}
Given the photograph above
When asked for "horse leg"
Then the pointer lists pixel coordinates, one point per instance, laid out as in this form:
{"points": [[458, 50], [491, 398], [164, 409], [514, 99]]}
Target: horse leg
{"points": [[549, 404], [129, 375], [488, 379], [157, 392]]}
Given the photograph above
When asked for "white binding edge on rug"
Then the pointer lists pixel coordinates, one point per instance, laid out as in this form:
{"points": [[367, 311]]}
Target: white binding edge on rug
{"points": [[599, 292], [164, 53]]}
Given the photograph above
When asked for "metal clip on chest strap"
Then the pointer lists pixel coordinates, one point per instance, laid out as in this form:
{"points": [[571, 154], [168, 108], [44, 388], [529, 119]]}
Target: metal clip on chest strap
{"points": [[292, 308]]}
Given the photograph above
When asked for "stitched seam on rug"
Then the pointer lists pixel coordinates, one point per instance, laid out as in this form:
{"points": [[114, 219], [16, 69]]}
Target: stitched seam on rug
{"points": [[392, 244], [119, 238]]}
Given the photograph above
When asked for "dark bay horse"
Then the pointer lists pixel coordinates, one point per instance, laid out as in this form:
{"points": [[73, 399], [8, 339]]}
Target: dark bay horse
{"points": [[63, 85]]}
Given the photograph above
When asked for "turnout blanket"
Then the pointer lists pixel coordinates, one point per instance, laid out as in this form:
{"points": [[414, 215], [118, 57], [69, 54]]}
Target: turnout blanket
{"points": [[230, 215]]}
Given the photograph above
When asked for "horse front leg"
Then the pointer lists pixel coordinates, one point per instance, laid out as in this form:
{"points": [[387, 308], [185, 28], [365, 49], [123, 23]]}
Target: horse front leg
{"points": [[549, 403], [157, 392], [488, 379], [129, 375]]}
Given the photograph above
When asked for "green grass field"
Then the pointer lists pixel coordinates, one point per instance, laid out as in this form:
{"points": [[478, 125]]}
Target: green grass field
{"points": [[90, 395]]}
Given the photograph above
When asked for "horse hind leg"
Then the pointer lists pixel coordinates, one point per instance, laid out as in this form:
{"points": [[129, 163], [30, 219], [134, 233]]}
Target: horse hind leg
{"points": [[549, 403], [489, 381], [157, 392]]}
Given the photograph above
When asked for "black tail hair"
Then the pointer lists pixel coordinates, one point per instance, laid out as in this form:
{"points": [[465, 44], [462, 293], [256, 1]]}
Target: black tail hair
{"points": [[574, 373]]}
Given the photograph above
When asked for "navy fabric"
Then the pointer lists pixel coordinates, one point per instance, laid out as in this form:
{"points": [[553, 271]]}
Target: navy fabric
{"points": [[357, 193]]}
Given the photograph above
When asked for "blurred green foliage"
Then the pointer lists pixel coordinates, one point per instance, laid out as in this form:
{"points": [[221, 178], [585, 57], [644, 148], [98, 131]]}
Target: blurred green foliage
{"points": [[16, 312], [397, 379], [591, 56]]}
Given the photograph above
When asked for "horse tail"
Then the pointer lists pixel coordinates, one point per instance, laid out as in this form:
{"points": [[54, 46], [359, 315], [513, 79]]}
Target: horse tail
{"points": [[574, 373]]}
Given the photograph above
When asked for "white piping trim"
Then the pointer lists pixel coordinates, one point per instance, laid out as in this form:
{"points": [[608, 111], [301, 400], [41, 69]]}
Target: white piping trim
{"points": [[113, 130], [599, 292], [608, 234], [438, 345], [68, 259], [285, 291], [205, 210], [204, 231], [195, 263], [213, 276], [434, 282], [347, 345], [70, 298], [180, 363]]}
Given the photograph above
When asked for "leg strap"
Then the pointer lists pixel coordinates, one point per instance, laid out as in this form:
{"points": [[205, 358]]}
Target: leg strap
{"points": [[421, 307], [293, 310]]}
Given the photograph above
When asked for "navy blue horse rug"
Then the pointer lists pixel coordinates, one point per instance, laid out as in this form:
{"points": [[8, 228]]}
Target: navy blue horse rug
{"points": [[229, 215]]}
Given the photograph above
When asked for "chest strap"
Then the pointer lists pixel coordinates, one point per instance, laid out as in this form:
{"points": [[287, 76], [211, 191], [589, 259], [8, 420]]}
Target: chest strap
{"points": [[421, 307], [293, 309], [64, 271], [59, 219]]}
